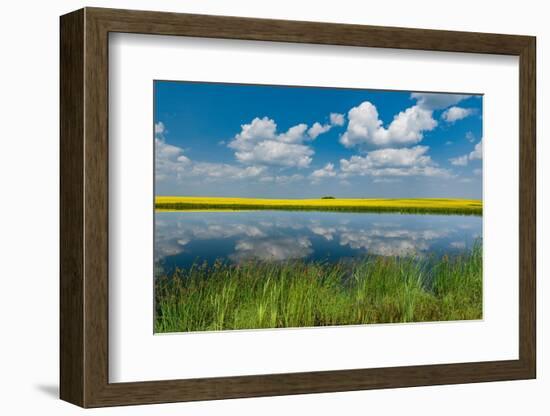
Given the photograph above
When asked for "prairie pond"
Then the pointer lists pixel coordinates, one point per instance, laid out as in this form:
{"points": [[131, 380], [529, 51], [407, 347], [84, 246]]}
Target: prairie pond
{"points": [[183, 238], [283, 269]]}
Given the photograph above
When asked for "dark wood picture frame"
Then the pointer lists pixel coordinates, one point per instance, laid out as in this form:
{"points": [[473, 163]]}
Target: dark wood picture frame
{"points": [[84, 207]]}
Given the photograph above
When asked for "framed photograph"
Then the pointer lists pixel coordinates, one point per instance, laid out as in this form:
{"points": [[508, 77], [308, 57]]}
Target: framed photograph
{"points": [[255, 207]]}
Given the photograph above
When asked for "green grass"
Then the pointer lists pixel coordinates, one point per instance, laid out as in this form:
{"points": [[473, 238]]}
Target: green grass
{"points": [[305, 294]]}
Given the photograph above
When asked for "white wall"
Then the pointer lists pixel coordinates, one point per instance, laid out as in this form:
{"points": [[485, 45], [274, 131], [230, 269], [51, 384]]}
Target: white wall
{"points": [[29, 209]]}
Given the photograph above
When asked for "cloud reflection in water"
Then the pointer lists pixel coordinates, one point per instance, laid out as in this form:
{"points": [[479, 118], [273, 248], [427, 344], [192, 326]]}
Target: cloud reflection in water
{"points": [[184, 237]]}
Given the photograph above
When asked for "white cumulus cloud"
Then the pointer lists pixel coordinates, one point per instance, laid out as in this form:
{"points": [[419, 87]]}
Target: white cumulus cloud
{"points": [[317, 128], [337, 119], [437, 101], [172, 164], [258, 129], [366, 128], [259, 143], [459, 161], [223, 171], [295, 134], [393, 162], [281, 179], [327, 171], [456, 113], [159, 127], [169, 160], [272, 152], [475, 154]]}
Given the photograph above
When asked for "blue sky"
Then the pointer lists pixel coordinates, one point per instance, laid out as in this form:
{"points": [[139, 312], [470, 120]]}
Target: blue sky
{"points": [[214, 139]]}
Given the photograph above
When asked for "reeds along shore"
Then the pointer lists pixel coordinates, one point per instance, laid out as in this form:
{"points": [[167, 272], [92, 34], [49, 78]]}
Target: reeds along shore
{"points": [[369, 290], [412, 206]]}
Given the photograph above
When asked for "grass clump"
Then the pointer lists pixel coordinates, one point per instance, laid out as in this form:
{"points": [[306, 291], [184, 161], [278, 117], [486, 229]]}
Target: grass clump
{"points": [[288, 294]]}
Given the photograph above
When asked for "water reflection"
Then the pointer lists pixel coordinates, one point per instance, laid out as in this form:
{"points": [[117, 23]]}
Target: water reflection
{"points": [[272, 249], [182, 238]]}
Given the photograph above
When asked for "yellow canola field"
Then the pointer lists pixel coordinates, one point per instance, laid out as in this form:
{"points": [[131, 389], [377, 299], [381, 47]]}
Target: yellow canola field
{"points": [[181, 202]]}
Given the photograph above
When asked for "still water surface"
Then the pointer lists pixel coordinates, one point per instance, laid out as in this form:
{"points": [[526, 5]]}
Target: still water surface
{"points": [[182, 238]]}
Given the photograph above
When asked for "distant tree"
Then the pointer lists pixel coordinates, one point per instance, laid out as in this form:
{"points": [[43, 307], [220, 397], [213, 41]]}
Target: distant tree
{"points": [[328, 197]]}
